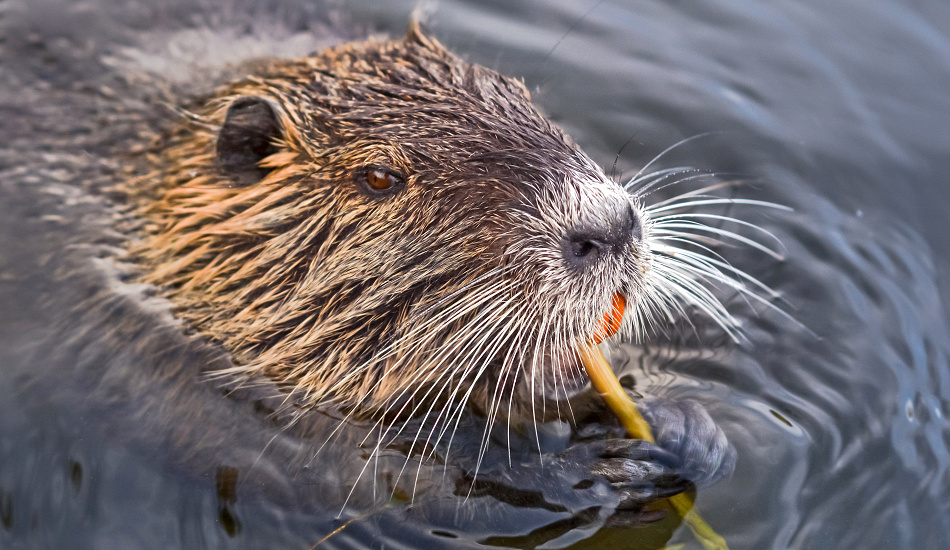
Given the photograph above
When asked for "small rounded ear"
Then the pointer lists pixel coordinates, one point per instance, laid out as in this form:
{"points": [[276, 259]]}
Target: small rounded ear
{"points": [[247, 137]]}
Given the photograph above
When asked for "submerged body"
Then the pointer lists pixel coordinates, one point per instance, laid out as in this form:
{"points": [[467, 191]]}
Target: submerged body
{"points": [[347, 281]]}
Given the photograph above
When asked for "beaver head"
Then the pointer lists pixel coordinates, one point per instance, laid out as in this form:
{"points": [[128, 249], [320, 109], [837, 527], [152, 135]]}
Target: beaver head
{"points": [[384, 223]]}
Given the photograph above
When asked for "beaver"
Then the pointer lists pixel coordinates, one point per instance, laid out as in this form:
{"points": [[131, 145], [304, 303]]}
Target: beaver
{"points": [[342, 264], [389, 230]]}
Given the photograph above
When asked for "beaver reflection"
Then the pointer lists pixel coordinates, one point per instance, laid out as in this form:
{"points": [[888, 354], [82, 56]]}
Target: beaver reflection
{"points": [[226, 482]]}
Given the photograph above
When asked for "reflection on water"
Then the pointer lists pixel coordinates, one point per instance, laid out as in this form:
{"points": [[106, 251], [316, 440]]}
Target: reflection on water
{"points": [[839, 416]]}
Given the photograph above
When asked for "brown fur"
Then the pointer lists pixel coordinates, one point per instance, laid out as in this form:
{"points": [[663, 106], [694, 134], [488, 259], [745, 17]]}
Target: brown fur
{"points": [[307, 281]]}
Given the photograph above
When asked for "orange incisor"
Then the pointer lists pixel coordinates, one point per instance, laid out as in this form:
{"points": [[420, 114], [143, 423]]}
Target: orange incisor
{"points": [[610, 324]]}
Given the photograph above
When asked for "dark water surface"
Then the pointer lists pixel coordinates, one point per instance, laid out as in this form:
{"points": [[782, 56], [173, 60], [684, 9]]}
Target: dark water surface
{"points": [[840, 110]]}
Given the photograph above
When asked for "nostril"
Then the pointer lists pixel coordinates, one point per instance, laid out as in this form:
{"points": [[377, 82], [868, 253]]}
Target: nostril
{"points": [[581, 251], [581, 248]]}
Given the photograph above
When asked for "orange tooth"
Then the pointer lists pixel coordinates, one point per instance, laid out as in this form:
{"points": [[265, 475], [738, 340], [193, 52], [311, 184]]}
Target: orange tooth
{"points": [[611, 321]]}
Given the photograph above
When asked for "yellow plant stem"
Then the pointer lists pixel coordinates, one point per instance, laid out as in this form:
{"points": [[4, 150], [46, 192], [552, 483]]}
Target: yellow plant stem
{"points": [[604, 379]]}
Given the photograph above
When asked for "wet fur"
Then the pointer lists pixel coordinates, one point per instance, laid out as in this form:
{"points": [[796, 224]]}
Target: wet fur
{"points": [[355, 300]]}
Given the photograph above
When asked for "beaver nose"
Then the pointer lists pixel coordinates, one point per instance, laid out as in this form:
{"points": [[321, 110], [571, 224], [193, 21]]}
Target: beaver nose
{"points": [[586, 244]]}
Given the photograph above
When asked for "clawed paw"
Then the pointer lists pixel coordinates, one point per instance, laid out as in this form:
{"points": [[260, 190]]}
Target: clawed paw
{"points": [[686, 429], [637, 471], [690, 450]]}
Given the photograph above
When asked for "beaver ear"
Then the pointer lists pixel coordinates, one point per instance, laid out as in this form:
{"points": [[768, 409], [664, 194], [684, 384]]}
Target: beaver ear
{"points": [[247, 137]]}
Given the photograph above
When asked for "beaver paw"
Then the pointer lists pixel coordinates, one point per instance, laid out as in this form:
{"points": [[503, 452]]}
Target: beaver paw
{"points": [[685, 429], [636, 471], [615, 475]]}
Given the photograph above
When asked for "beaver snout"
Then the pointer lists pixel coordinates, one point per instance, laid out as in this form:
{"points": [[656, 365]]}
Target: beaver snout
{"points": [[585, 244]]}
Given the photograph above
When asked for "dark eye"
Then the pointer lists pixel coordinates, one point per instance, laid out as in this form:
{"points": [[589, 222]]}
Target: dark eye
{"points": [[376, 180]]}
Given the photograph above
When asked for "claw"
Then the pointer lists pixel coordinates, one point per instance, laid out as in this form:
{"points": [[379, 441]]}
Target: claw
{"points": [[637, 449]]}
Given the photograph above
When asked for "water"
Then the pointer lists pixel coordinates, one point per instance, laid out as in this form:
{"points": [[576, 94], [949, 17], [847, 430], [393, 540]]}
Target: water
{"points": [[839, 110]]}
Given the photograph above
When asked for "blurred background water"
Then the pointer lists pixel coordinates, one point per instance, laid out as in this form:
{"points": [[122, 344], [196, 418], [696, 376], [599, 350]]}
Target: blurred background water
{"points": [[838, 109]]}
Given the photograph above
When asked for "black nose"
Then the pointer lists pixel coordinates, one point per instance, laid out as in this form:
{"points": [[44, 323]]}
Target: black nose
{"points": [[584, 246]]}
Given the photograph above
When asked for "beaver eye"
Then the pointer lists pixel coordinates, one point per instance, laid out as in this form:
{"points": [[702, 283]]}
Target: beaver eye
{"points": [[380, 180], [376, 180]]}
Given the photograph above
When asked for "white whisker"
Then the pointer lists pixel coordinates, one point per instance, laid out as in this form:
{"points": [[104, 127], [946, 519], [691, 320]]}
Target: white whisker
{"points": [[752, 202], [670, 148], [683, 263], [658, 222], [665, 229]]}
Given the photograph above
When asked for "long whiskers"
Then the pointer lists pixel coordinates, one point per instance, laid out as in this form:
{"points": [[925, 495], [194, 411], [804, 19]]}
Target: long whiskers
{"points": [[684, 265]]}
